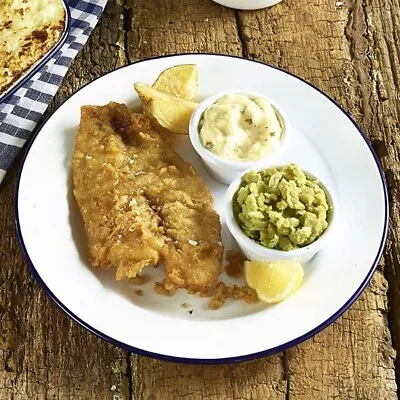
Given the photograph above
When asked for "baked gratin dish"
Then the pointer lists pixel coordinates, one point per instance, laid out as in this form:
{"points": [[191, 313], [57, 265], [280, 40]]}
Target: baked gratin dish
{"points": [[28, 30]]}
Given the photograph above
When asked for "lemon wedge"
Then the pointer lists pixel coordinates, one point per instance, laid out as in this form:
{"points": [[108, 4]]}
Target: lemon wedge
{"points": [[273, 281]]}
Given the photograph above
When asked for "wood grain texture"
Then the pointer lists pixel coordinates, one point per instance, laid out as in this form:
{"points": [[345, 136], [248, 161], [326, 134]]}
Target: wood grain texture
{"points": [[326, 44], [157, 380], [177, 26], [382, 27], [171, 26], [43, 353], [349, 49], [344, 62]]}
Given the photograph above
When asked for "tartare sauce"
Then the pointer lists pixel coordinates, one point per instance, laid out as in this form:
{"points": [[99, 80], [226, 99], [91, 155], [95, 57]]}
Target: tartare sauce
{"points": [[240, 128]]}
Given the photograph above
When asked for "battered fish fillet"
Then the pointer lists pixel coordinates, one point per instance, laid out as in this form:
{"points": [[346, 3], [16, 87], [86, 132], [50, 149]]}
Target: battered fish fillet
{"points": [[141, 203]]}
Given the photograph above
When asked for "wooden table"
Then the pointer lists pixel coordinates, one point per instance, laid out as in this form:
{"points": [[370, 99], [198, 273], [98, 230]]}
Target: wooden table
{"points": [[347, 48]]}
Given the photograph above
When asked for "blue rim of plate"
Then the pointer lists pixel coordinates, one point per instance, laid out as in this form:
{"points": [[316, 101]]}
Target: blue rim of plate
{"points": [[42, 61], [241, 358]]}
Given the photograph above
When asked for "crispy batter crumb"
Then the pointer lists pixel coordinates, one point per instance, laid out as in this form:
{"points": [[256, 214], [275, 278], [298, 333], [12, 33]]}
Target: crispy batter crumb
{"points": [[224, 292], [137, 280], [139, 292], [221, 294], [160, 289], [245, 293], [185, 305], [235, 261]]}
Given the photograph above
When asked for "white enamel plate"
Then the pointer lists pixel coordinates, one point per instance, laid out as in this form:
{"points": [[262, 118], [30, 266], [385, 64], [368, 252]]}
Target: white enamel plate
{"points": [[325, 141]]}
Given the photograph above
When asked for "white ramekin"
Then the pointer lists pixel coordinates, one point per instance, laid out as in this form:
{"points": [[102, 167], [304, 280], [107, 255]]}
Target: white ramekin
{"points": [[256, 252], [224, 170]]}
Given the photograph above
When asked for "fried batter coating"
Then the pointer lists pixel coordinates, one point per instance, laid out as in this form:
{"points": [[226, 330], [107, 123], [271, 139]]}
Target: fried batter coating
{"points": [[142, 203]]}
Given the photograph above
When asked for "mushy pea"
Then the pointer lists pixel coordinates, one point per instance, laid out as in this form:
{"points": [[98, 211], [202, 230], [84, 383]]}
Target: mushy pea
{"points": [[240, 128], [281, 209]]}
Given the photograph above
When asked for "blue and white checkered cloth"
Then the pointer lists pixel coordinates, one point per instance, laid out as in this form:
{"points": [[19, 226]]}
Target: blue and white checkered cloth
{"points": [[21, 112]]}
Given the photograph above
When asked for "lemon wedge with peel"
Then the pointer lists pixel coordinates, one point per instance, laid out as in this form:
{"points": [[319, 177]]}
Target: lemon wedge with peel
{"points": [[273, 281]]}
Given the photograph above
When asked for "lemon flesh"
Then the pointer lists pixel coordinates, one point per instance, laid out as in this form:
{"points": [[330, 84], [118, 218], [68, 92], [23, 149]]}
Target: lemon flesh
{"points": [[273, 281]]}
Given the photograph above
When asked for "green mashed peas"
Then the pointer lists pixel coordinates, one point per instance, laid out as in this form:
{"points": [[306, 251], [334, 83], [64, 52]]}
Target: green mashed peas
{"points": [[282, 209]]}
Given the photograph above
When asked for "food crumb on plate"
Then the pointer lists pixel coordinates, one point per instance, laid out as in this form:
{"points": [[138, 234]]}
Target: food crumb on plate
{"points": [[187, 306], [245, 293], [223, 292], [235, 261], [160, 289], [137, 280], [139, 292]]}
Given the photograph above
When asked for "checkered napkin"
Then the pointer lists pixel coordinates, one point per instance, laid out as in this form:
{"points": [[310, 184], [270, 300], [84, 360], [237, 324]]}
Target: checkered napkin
{"points": [[21, 112]]}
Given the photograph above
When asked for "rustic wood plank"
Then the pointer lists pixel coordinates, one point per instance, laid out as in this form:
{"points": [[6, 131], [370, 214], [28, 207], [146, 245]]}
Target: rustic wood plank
{"points": [[383, 33], [326, 44], [341, 49], [104, 52], [174, 26], [43, 353], [171, 26], [158, 380], [352, 359]]}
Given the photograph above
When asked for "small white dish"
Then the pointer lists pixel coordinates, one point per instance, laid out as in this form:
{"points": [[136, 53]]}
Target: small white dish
{"points": [[247, 4], [256, 252], [225, 170]]}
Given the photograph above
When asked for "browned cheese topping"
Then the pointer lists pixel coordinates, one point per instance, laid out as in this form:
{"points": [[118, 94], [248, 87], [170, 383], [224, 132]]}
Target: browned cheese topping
{"points": [[28, 30]]}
